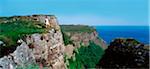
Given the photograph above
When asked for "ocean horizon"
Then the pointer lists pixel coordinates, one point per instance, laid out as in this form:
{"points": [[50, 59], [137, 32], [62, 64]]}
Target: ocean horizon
{"points": [[108, 33]]}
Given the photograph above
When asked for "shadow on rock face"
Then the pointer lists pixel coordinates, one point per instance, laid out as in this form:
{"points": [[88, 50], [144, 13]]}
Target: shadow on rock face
{"points": [[125, 53]]}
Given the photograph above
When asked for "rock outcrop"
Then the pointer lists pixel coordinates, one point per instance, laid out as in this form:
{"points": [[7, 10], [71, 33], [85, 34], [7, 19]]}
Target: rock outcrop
{"points": [[22, 56], [86, 37], [125, 53], [44, 49], [78, 34], [81, 42]]}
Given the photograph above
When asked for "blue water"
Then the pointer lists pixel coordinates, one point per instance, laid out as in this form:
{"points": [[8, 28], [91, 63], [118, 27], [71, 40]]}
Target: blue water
{"points": [[108, 33]]}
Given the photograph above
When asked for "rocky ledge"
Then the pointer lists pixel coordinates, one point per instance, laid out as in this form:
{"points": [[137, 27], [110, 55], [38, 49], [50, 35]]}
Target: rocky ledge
{"points": [[125, 53]]}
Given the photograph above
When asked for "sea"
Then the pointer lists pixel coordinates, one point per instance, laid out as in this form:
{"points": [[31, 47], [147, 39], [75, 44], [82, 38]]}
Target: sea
{"points": [[108, 33]]}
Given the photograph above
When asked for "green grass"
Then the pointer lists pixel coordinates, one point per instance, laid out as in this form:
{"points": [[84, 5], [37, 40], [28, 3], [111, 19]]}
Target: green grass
{"points": [[87, 57], [77, 28], [77, 64], [5, 18], [74, 29], [66, 39], [12, 31]]}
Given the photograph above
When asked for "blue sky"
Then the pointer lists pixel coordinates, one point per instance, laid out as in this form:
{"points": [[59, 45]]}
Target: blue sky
{"points": [[89, 12]]}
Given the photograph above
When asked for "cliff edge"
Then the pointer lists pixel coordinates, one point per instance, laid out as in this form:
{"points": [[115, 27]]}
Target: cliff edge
{"points": [[38, 41], [42, 45]]}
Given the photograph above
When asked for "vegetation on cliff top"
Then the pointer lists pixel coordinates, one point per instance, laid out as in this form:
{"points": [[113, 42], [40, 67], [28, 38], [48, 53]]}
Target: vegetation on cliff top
{"points": [[10, 32], [74, 29], [85, 56], [77, 28]]}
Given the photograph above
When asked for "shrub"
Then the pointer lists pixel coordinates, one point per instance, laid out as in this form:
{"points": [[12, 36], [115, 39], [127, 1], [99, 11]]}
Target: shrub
{"points": [[66, 39], [87, 56]]}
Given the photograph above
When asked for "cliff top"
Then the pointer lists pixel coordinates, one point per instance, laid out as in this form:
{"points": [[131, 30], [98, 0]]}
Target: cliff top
{"points": [[15, 27], [77, 28], [11, 31], [27, 17]]}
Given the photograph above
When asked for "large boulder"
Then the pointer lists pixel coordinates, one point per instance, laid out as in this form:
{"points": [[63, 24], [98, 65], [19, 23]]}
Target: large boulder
{"points": [[22, 56], [125, 53]]}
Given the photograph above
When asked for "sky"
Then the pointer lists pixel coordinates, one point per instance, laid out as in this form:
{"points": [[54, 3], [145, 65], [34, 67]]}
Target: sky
{"points": [[87, 12]]}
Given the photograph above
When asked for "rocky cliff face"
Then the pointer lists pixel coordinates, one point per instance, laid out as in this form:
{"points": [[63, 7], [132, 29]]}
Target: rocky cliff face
{"points": [[85, 38], [83, 46], [82, 34], [125, 53], [44, 49]]}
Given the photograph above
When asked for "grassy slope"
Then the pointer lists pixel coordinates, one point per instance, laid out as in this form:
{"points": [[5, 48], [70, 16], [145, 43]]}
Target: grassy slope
{"points": [[86, 56], [12, 31], [74, 29]]}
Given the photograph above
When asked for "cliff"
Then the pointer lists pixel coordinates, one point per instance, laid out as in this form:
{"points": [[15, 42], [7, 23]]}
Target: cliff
{"points": [[38, 41], [82, 34], [83, 47], [125, 53], [44, 48]]}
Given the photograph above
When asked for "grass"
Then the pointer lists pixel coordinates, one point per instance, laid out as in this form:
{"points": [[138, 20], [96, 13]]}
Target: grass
{"points": [[77, 64], [74, 29], [87, 56], [66, 39], [12, 31], [77, 28]]}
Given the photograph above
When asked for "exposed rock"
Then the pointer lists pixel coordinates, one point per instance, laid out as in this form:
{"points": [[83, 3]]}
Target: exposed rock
{"points": [[75, 39], [125, 53], [85, 38], [69, 50], [46, 49], [22, 56], [2, 43]]}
